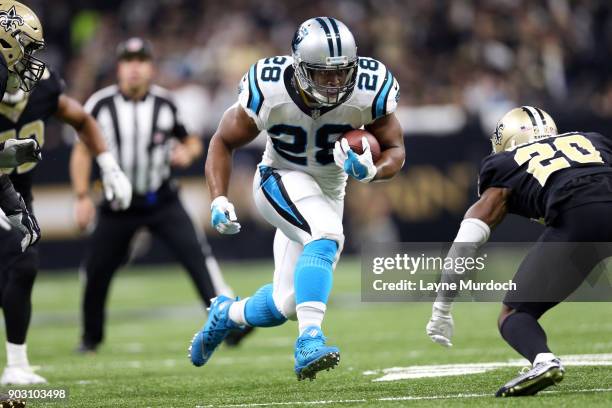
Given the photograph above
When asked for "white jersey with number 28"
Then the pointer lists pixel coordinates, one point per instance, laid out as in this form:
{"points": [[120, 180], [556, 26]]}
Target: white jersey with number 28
{"points": [[299, 138]]}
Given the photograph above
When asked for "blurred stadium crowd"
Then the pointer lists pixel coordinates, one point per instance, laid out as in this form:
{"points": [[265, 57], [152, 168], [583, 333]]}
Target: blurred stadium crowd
{"points": [[461, 64], [477, 54]]}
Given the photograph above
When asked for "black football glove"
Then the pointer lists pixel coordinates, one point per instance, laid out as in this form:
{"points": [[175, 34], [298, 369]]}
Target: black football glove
{"points": [[17, 213], [15, 152]]}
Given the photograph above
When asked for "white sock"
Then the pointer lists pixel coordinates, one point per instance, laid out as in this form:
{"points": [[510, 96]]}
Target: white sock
{"points": [[236, 312], [310, 314], [16, 355], [543, 357]]}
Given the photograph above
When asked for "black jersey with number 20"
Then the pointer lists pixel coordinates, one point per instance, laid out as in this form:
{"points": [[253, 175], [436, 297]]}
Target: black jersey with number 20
{"points": [[551, 175]]}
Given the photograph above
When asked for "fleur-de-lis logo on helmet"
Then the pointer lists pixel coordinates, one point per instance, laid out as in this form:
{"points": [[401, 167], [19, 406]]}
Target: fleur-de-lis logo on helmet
{"points": [[497, 135], [9, 20]]}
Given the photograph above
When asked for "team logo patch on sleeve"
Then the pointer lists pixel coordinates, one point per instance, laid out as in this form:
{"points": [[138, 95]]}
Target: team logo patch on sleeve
{"points": [[9, 20]]}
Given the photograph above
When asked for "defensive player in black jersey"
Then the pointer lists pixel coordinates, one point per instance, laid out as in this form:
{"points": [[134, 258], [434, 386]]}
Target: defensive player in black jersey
{"points": [[23, 116], [565, 180], [20, 38], [32, 95]]}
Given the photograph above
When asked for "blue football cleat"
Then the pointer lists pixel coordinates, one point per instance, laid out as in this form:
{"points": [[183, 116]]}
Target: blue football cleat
{"points": [[217, 327], [312, 355]]}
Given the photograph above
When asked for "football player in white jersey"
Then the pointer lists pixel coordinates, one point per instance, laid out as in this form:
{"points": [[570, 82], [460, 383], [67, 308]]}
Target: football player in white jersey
{"points": [[304, 103]]}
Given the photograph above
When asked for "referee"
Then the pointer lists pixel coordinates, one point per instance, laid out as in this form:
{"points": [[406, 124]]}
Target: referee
{"points": [[144, 132]]}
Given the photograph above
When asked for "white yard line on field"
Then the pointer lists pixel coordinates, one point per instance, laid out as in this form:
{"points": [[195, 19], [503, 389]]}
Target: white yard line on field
{"points": [[445, 370], [269, 404], [389, 399]]}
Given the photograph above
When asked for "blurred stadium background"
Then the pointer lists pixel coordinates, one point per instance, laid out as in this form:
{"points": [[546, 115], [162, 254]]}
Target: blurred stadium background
{"points": [[460, 65]]}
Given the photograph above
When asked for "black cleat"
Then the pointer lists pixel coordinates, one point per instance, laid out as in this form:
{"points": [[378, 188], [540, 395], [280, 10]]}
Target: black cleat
{"points": [[86, 348], [235, 337], [542, 376]]}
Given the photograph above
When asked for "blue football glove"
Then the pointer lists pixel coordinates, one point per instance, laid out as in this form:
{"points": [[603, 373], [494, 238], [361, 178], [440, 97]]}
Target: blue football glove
{"points": [[223, 216], [358, 166]]}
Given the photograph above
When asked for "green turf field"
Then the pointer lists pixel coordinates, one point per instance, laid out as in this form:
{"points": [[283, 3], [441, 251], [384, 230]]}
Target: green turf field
{"points": [[154, 313]]}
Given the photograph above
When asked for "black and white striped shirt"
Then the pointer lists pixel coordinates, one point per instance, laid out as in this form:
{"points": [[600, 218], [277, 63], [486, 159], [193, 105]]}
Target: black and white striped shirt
{"points": [[139, 133]]}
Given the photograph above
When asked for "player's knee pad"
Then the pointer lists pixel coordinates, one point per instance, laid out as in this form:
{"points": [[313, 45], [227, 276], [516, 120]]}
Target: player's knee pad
{"points": [[260, 310], [326, 228]]}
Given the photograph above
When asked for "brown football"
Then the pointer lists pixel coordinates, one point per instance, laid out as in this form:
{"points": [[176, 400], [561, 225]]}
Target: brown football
{"points": [[354, 140]]}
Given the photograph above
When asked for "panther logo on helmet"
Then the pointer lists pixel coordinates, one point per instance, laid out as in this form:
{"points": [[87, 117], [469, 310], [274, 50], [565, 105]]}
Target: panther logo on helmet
{"points": [[298, 37], [9, 20]]}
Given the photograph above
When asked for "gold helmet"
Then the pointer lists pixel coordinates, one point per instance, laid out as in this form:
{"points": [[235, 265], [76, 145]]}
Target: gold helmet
{"points": [[21, 35], [522, 125]]}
